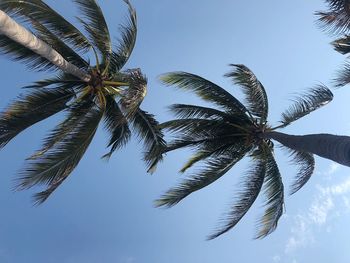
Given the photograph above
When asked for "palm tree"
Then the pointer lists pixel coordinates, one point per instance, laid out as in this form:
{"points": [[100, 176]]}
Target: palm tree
{"points": [[336, 20], [87, 93], [222, 136]]}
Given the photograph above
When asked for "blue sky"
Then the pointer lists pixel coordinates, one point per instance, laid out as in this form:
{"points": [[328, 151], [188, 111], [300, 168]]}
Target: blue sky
{"points": [[104, 211]]}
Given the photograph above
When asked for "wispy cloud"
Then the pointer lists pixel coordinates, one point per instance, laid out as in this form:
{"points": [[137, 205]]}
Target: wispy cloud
{"points": [[318, 214]]}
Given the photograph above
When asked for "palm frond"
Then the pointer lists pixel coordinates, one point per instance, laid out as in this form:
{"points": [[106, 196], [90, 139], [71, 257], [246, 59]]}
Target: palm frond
{"points": [[337, 18], [39, 11], [30, 59], [184, 111], [146, 127], [274, 191], [76, 112], [205, 89], [59, 79], [307, 103], [214, 168], [55, 165], [343, 77], [342, 45], [133, 96], [30, 109], [252, 88], [95, 24], [117, 125], [249, 191], [127, 42], [306, 163]]}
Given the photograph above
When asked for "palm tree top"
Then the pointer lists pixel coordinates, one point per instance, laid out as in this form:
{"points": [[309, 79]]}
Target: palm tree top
{"points": [[221, 136], [109, 92]]}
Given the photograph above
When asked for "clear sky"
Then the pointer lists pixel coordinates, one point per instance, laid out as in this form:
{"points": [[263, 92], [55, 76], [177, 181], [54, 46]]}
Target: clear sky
{"points": [[104, 211]]}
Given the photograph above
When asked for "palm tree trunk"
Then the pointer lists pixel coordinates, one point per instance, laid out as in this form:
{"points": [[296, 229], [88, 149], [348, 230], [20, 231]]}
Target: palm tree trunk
{"points": [[19, 34], [333, 147]]}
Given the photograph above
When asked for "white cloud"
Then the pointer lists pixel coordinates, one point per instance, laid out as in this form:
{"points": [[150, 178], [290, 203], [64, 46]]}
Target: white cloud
{"points": [[318, 214], [276, 258]]}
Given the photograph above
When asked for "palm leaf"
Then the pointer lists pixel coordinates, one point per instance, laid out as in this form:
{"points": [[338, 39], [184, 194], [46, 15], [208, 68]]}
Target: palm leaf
{"points": [[306, 163], [343, 76], [184, 111], [127, 42], [253, 89], [76, 112], [250, 190], [337, 18], [213, 170], [30, 109], [42, 13], [95, 24], [117, 125], [59, 79], [55, 165], [146, 127], [205, 89], [274, 191], [342, 45], [307, 103]]}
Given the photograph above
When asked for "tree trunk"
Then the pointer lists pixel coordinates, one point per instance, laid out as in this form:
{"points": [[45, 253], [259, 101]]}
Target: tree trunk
{"points": [[19, 34], [333, 147]]}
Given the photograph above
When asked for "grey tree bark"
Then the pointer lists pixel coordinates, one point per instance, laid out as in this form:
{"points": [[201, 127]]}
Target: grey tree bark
{"points": [[333, 147], [18, 33]]}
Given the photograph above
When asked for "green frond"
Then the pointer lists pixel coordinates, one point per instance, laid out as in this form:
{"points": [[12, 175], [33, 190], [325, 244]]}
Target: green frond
{"points": [[59, 80], [147, 129], [95, 24], [30, 109], [249, 191], [343, 77], [52, 168], [39, 11], [253, 90], [117, 125], [337, 18], [307, 103], [184, 111], [213, 169], [306, 164], [76, 112], [120, 56], [17, 52], [342, 45], [56, 43], [206, 90], [274, 191]]}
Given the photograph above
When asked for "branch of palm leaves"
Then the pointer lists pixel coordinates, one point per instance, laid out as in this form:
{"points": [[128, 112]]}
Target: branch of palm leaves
{"points": [[220, 137]]}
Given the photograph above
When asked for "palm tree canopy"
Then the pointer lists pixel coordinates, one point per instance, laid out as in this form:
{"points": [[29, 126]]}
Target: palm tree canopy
{"points": [[222, 136], [109, 93]]}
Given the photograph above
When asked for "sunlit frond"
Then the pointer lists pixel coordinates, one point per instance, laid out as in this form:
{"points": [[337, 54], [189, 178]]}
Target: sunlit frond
{"points": [[274, 191], [95, 24], [30, 109], [123, 51], [205, 89], [184, 111], [248, 192], [342, 45], [307, 103], [253, 89]]}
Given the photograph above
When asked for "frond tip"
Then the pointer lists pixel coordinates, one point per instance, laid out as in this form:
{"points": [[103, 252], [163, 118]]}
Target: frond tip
{"points": [[307, 103]]}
